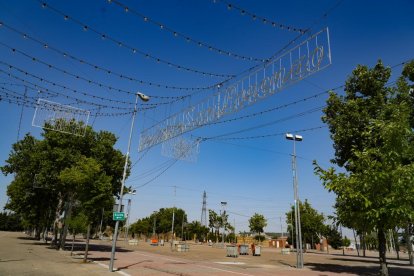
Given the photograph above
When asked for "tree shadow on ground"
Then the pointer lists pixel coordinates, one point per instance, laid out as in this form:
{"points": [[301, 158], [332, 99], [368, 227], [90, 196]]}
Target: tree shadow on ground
{"points": [[80, 247], [373, 261], [358, 270], [127, 266]]}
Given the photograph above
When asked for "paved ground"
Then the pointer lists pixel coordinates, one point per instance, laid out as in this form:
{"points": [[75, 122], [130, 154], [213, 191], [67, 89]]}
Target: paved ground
{"points": [[22, 256]]}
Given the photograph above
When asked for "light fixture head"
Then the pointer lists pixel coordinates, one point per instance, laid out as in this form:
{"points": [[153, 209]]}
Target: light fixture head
{"points": [[298, 137], [289, 136], [143, 97]]}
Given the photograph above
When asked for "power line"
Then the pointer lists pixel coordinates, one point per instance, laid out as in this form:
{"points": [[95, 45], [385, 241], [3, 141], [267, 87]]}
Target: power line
{"points": [[96, 67], [187, 38], [257, 18], [79, 77], [132, 49]]}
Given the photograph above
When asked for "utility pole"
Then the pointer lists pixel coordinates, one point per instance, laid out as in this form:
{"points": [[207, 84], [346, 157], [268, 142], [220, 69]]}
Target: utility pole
{"points": [[121, 193], [299, 249], [173, 218]]}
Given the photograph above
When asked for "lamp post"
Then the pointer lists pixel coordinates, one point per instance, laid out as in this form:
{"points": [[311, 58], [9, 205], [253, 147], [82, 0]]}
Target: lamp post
{"points": [[143, 98], [299, 249], [128, 214], [223, 204]]}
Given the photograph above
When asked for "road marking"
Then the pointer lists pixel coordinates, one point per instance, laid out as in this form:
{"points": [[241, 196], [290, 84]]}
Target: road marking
{"points": [[115, 269], [231, 263], [199, 265]]}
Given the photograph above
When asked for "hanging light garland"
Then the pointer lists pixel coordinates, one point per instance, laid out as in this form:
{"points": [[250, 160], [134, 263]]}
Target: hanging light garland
{"points": [[132, 49], [184, 36], [257, 18]]}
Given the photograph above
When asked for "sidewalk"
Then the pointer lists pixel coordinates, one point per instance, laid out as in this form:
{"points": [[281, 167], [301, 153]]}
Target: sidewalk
{"points": [[21, 255]]}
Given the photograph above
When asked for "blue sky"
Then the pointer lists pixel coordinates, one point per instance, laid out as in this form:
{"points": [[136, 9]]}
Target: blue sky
{"points": [[251, 175]]}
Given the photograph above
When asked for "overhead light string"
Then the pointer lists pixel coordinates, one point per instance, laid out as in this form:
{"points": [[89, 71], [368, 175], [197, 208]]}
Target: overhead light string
{"points": [[89, 81], [187, 38], [133, 50], [100, 68], [257, 18]]}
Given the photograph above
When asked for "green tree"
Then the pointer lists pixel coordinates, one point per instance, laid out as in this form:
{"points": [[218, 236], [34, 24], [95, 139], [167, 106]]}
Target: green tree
{"points": [[257, 223], [214, 222], [372, 130], [333, 236], [10, 222], [312, 223], [346, 242], [37, 166], [196, 229]]}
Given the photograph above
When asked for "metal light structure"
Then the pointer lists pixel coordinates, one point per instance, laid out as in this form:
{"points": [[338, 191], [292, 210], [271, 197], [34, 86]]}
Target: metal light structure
{"points": [[298, 230], [143, 98], [133, 192]]}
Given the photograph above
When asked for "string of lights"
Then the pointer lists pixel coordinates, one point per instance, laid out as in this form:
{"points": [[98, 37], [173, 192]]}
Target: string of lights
{"points": [[275, 108], [41, 79], [97, 67], [301, 114], [79, 77], [133, 50], [270, 135], [286, 46], [21, 101], [187, 38], [257, 18], [54, 93], [43, 90]]}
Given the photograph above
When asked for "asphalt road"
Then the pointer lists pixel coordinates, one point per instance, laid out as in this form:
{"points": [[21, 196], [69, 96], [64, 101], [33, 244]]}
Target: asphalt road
{"points": [[21, 255]]}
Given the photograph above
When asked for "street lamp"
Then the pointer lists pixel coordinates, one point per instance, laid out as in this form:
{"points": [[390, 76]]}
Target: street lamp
{"points": [[133, 192], [299, 249], [143, 98], [223, 204]]}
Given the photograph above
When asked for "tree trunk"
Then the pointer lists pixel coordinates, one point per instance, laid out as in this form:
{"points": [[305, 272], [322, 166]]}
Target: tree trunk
{"points": [[382, 242], [396, 243], [68, 212], [85, 258], [409, 243], [356, 245], [363, 244], [73, 242]]}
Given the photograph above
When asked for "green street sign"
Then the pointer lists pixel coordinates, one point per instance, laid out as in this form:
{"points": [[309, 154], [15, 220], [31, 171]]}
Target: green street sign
{"points": [[118, 216]]}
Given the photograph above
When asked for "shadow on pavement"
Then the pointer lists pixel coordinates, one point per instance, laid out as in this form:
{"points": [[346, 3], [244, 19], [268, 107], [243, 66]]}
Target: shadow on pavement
{"points": [[6, 261], [358, 270], [127, 266], [374, 261], [81, 247]]}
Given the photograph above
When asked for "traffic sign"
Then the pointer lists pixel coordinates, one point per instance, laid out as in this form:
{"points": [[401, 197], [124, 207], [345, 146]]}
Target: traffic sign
{"points": [[118, 216]]}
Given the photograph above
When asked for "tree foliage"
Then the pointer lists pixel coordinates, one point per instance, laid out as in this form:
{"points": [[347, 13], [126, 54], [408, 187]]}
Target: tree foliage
{"points": [[312, 223], [60, 170], [163, 222], [257, 223], [372, 130]]}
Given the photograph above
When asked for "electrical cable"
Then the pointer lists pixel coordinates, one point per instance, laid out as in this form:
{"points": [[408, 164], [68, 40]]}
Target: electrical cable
{"points": [[94, 66], [183, 36], [132, 49], [78, 77], [255, 17]]}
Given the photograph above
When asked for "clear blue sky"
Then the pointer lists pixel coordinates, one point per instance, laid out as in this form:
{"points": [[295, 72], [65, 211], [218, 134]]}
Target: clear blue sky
{"points": [[252, 175]]}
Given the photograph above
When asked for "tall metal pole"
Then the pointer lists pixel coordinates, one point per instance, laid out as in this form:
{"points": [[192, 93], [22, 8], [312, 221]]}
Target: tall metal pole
{"points": [[297, 202], [173, 221], [298, 230], [127, 219], [115, 236]]}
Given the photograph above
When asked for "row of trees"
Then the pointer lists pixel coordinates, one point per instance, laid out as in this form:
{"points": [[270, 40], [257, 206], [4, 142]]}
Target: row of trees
{"points": [[160, 224], [372, 130], [61, 177]]}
